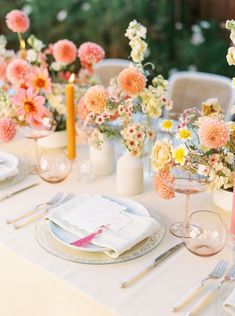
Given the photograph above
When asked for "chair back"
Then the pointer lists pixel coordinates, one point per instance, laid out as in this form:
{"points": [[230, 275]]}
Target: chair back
{"points": [[110, 68], [190, 89]]}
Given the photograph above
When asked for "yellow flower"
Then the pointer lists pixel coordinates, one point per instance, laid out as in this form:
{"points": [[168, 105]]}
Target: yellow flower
{"points": [[184, 134], [211, 106], [234, 82], [167, 125], [179, 154], [161, 154]]}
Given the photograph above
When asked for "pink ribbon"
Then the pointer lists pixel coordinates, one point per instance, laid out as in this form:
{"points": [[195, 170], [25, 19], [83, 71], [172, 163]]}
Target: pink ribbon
{"points": [[85, 241]]}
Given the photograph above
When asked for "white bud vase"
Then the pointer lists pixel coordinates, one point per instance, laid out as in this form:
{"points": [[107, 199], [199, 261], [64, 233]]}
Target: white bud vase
{"points": [[103, 160], [129, 177]]}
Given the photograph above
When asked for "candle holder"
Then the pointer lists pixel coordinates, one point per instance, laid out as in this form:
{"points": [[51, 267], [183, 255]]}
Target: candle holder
{"points": [[85, 170]]}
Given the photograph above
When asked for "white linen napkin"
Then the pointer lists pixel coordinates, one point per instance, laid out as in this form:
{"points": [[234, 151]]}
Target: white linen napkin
{"points": [[126, 229], [7, 172], [229, 303]]}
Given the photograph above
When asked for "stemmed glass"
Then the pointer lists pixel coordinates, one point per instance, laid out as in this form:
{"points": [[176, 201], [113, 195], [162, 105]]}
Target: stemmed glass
{"points": [[186, 182], [47, 126]]}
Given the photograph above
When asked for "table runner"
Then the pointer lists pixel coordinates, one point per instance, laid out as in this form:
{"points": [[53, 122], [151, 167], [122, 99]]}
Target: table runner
{"points": [[41, 284]]}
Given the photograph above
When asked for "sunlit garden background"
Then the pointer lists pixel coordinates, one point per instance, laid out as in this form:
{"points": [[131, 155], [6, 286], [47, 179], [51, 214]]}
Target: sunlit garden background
{"points": [[182, 34]]}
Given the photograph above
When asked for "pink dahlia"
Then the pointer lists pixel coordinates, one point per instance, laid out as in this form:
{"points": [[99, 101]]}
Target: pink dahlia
{"points": [[163, 190], [17, 71], [30, 106], [3, 68], [213, 133], [96, 99], [65, 52], [131, 81], [90, 54], [17, 21], [7, 129]]}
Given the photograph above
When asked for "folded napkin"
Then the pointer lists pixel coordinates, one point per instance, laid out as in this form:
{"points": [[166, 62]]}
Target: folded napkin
{"points": [[7, 171], [229, 303], [85, 213]]}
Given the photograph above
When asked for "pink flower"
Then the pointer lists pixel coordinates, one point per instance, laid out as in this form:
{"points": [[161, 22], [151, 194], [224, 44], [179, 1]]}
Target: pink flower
{"points": [[17, 70], [213, 133], [7, 129], [40, 80], [30, 106], [131, 81], [65, 52], [96, 99], [17, 21], [164, 190], [90, 54], [3, 68], [82, 110]]}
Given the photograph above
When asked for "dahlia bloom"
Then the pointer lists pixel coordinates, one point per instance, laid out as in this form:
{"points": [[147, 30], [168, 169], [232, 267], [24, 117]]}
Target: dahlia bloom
{"points": [[17, 70], [90, 54], [65, 52], [163, 190], [30, 106], [3, 68], [213, 132], [82, 110], [131, 81], [40, 80], [7, 129], [17, 21], [96, 99]]}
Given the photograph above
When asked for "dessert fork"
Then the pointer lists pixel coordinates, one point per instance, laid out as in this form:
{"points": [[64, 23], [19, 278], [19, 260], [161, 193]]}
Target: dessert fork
{"points": [[53, 201], [68, 197], [230, 276], [215, 274]]}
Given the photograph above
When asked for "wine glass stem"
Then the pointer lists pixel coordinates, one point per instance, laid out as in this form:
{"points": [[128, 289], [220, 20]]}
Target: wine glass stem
{"points": [[36, 154], [186, 218]]}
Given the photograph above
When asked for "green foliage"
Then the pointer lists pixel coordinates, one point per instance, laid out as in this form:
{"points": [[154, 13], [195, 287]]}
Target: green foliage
{"points": [[105, 21]]}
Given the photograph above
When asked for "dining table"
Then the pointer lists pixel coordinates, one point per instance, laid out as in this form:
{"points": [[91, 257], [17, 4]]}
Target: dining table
{"points": [[35, 282]]}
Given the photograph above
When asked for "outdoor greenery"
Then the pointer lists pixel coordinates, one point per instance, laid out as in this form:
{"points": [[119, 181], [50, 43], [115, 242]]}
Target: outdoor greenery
{"points": [[182, 42]]}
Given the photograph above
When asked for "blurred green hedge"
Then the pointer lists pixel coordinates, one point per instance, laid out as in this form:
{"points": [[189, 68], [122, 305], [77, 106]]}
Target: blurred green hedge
{"points": [[182, 42]]}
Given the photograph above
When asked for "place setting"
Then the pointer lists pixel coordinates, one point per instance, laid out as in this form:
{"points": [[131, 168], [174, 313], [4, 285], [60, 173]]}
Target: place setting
{"points": [[109, 171]]}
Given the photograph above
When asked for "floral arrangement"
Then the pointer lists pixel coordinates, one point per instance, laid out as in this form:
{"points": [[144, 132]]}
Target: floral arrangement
{"points": [[32, 78], [126, 95], [206, 145]]}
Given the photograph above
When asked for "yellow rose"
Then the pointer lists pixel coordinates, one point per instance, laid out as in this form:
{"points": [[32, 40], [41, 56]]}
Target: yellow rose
{"points": [[161, 154]]}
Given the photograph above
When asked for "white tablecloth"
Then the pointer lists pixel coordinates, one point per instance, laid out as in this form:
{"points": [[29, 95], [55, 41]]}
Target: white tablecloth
{"points": [[34, 282]]}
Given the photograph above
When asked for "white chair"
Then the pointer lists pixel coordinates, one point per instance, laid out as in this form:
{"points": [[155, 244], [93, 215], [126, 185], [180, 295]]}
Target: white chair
{"points": [[190, 88], [110, 68]]}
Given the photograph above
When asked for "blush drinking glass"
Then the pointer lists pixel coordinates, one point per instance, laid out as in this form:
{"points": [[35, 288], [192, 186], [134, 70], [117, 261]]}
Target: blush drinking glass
{"points": [[47, 126], [187, 183]]}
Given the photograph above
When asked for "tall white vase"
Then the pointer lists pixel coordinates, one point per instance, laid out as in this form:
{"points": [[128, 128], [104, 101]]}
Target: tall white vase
{"points": [[129, 175], [103, 160]]}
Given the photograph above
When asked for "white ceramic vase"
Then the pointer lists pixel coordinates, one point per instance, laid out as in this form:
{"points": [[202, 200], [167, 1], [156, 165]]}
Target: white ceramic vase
{"points": [[223, 199], [55, 140], [103, 160], [129, 175]]}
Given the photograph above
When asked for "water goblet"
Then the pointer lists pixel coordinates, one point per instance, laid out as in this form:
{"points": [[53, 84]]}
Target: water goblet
{"points": [[213, 233]]}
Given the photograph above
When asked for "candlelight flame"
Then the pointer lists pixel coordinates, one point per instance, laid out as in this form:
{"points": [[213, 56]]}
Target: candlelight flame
{"points": [[72, 78]]}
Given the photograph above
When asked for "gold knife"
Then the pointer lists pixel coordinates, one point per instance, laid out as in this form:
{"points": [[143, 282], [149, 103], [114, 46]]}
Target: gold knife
{"points": [[8, 195], [159, 259]]}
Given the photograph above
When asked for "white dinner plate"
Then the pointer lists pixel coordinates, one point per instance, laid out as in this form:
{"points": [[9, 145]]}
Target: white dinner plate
{"points": [[8, 166], [66, 238]]}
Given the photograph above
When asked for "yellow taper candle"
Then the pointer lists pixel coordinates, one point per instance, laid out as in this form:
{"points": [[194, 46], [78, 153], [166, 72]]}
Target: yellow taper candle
{"points": [[70, 119]]}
